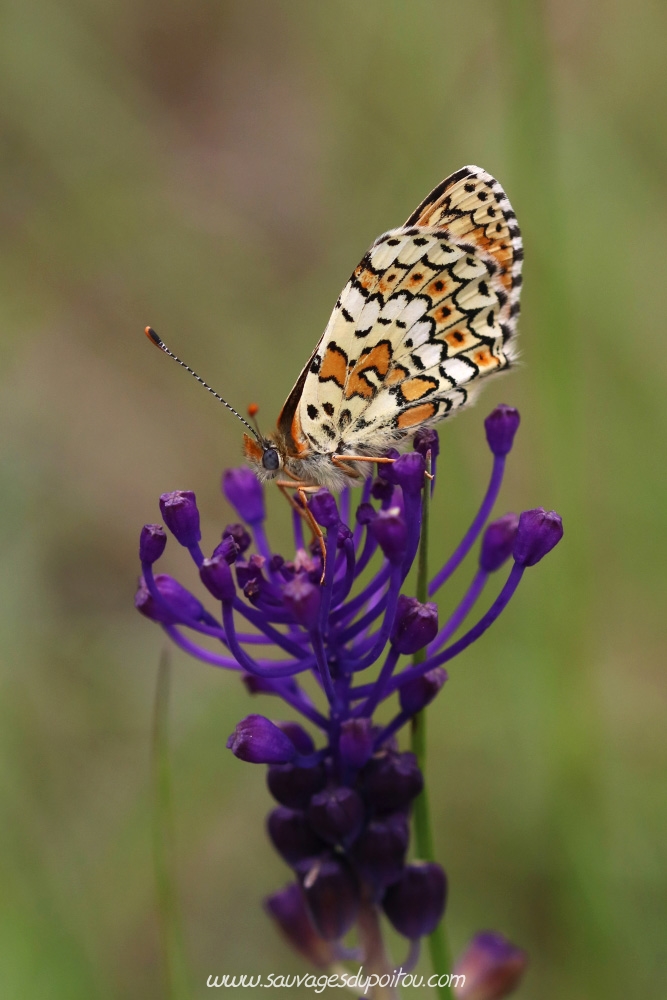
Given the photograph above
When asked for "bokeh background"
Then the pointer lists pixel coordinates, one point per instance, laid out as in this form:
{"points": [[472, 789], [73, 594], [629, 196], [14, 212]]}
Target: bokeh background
{"points": [[216, 169]]}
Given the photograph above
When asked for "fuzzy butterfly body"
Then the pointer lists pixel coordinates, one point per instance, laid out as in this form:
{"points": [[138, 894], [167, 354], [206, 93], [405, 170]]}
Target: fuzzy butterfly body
{"points": [[431, 308]]}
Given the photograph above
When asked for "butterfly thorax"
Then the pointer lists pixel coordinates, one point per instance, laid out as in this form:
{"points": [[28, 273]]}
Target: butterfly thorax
{"points": [[303, 465]]}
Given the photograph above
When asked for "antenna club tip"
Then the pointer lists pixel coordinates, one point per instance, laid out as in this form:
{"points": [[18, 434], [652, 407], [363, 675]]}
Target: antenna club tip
{"points": [[253, 409], [152, 336]]}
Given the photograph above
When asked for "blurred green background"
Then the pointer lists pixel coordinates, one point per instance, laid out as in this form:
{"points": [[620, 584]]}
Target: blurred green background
{"points": [[216, 169]]}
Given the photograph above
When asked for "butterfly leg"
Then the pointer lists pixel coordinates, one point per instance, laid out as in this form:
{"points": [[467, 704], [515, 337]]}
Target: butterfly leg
{"points": [[305, 512]]}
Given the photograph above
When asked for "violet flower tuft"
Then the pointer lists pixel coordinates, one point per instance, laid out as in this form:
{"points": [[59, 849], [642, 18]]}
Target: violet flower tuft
{"points": [[152, 542], [501, 425], [259, 741], [179, 510], [538, 532]]}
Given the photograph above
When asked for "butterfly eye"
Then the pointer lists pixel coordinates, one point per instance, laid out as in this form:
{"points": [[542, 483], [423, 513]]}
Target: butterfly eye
{"points": [[271, 459]]}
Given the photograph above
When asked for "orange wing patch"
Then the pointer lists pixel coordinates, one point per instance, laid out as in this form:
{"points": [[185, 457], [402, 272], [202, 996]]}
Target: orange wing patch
{"points": [[416, 388], [416, 415], [334, 366], [375, 359]]}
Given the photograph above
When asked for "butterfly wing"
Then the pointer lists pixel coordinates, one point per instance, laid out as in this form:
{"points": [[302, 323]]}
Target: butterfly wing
{"points": [[431, 308]]}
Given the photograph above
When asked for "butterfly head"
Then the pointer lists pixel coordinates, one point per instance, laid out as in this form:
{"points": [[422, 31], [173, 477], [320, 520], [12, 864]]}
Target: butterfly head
{"points": [[264, 455]]}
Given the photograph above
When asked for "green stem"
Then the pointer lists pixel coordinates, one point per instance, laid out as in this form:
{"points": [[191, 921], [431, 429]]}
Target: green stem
{"points": [[437, 942], [171, 939]]}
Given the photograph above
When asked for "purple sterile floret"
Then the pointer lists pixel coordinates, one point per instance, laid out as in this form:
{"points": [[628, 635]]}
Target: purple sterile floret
{"points": [[173, 604], [538, 532], [180, 513], [498, 542], [259, 741], [217, 578], [501, 425], [244, 492], [324, 509], [152, 542], [305, 627]]}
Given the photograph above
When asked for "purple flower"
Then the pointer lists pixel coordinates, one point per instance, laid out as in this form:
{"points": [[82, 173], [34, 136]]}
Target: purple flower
{"points": [[344, 797], [492, 967]]}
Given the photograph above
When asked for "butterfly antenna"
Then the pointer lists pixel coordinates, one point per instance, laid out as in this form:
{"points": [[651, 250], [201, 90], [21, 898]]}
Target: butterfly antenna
{"points": [[154, 339]]}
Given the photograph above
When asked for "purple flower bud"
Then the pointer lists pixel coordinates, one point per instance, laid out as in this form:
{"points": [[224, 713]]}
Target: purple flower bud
{"points": [[391, 534], [539, 531], [324, 510], [276, 563], [356, 742], [378, 853], [366, 513], [337, 814], [415, 904], [501, 425], [244, 492], [415, 624], [426, 439], [498, 542], [217, 578], [228, 549], [302, 599], [179, 510], [382, 489], [390, 781], [259, 741], [332, 895], [294, 785], [492, 967], [344, 534], [386, 469], [409, 472], [152, 542], [239, 534], [182, 605], [418, 693], [292, 836], [288, 909], [301, 739]]}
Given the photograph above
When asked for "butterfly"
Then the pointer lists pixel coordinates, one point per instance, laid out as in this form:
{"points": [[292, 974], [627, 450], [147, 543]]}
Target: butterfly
{"points": [[431, 309]]}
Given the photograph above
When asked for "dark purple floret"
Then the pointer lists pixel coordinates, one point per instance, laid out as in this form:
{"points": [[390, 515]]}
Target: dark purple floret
{"points": [[332, 895], [259, 741], [501, 425], [301, 739], [336, 814], [294, 785], [152, 542], [498, 542], [383, 489], [492, 966], [391, 781], [179, 510], [292, 835], [378, 853], [415, 625], [244, 492], [288, 908], [386, 469], [538, 532], [366, 513], [416, 902]]}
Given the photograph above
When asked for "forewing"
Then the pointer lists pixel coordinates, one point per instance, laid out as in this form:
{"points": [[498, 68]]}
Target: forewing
{"points": [[430, 308]]}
